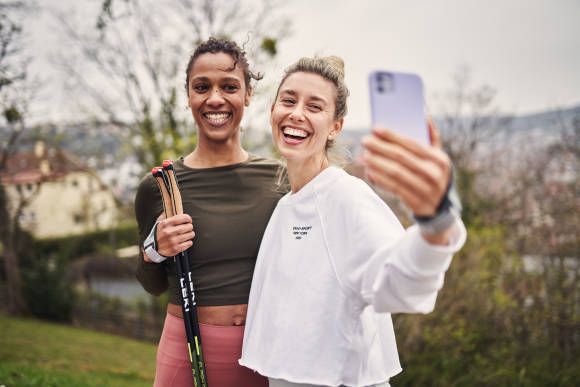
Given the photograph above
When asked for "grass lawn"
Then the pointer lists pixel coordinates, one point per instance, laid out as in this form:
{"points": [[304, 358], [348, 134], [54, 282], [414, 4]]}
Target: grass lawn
{"points": [[36, 353]]}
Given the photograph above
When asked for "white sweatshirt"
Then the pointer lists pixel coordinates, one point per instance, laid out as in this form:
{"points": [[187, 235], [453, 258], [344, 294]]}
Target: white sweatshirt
{"points": [[333, 263]]}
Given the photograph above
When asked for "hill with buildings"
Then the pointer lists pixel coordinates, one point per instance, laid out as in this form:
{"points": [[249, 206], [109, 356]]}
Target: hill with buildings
{"points": [[103, 147]]}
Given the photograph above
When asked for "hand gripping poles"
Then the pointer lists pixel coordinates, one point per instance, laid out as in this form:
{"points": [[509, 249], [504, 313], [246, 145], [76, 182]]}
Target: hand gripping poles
{"points": [[167, 182]]}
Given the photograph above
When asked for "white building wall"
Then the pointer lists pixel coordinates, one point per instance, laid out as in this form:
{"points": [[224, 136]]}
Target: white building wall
{"points": [[75, 204]]}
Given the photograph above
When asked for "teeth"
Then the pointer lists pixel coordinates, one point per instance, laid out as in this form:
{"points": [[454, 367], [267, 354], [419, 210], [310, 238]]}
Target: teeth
{"points": [[295, 132], [217, 117]]}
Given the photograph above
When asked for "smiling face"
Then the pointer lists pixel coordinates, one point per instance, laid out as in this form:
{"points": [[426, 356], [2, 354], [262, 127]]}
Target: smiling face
{"points": [[302, 118], [217, 96]]}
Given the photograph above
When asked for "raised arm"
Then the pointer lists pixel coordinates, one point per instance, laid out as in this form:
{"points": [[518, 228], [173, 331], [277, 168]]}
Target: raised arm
{"points": [[419, 175]]}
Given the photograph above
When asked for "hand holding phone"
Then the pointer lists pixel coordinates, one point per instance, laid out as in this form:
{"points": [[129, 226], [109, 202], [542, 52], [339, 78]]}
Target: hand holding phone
{"points": [[398, 155], [397, 104]]}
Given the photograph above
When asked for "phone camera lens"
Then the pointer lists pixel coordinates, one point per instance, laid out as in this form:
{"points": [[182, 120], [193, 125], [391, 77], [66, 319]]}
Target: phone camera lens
{"points": [[385, 82]]}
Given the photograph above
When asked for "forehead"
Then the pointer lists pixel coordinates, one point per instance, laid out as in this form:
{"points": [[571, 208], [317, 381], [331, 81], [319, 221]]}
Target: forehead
{"points": [[218, 65], [309, 85]]}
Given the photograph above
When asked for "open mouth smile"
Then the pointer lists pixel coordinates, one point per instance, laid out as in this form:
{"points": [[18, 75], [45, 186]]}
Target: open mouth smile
{"points": [[217, 118], [294, 135]]}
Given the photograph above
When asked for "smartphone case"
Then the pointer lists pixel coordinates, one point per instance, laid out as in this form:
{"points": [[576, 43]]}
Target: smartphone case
{"points": [[397, 103]]}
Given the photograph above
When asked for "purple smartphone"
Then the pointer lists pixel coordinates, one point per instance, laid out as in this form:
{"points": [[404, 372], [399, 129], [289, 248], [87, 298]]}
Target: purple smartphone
{"points": [[397, 103]]}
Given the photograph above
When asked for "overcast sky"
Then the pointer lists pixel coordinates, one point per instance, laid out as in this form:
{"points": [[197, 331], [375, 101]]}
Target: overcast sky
{"points": [[528, 50]]}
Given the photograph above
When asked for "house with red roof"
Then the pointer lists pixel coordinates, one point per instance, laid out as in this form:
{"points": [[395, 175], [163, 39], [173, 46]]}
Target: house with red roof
{"points": [[64, 197]]}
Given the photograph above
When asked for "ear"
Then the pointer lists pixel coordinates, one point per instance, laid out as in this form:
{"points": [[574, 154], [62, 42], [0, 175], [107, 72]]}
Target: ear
{"points": [[248, 96], [336, 128]]}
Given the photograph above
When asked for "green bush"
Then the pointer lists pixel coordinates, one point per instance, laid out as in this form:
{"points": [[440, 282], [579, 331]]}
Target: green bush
{"points": [[489, 327], [43, 266], [99, 241], [48, 294]]}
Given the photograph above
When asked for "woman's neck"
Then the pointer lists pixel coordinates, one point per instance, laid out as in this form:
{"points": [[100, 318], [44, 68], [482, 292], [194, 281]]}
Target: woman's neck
{"points": [[301, 172], [215, 155]]}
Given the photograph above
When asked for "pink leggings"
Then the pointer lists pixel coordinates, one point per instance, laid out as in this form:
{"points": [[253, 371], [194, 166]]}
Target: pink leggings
{"points": [[222, 347]]}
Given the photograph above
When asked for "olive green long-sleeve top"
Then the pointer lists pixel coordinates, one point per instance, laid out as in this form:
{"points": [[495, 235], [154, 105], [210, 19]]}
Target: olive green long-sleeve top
{"points": [[230, 207]]}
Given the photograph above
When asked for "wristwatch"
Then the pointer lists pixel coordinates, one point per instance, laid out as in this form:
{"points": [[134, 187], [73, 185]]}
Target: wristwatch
{"points": [[150, 246]]}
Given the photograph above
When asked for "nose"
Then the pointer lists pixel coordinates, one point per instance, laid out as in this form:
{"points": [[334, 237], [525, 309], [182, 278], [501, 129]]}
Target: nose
{"points": [[215, 98], [297, 114]]}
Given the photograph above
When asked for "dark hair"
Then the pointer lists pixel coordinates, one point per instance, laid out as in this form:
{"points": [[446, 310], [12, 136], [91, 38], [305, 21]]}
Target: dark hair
{"points": [[215, 45]]}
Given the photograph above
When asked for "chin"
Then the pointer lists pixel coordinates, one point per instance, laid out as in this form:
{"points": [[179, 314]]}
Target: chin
{"points": [[292, 154], [221, 135], [284, 151]]}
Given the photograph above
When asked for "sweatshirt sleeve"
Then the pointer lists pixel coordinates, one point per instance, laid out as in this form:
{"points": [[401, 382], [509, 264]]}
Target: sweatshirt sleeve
{"points": [[376, 260], [148, 206], [411, 272]]}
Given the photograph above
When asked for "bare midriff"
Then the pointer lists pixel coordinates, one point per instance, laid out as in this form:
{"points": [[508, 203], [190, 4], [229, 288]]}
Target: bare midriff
{"points": [[225, 315]]}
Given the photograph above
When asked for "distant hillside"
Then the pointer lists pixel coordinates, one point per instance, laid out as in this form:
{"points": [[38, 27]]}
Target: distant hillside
{"points": [[101, 146], [547, 119], [542, 128]]}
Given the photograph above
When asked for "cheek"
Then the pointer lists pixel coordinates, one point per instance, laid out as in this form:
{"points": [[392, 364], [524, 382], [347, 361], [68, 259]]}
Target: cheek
{"points": [[275, 120], [193, 103], [326, 126], [236, 101]]}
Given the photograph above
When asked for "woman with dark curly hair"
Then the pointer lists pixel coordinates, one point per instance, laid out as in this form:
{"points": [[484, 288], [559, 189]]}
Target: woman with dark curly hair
{"points": [[228, 197]]}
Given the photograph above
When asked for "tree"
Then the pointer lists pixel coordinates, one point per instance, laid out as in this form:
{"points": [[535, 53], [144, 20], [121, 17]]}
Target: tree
{"points": [[12, 124], [508, 313], [130, 64], [543, 218], [470, 125]]}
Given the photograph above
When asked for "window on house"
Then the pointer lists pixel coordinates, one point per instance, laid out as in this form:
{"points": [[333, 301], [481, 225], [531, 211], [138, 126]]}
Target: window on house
{"points": [[77, 218], [75, 183]]}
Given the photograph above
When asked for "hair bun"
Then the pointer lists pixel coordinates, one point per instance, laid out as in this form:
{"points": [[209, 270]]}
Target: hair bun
{"points": [[336, 63]]}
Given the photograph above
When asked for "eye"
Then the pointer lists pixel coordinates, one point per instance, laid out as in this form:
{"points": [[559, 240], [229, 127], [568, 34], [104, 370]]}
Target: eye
{"points": [[315, 107], [200, 88], [287, 101], [231, 88]]}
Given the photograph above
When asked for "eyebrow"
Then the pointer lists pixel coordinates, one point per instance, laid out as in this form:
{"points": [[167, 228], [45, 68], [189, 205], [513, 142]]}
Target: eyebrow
{"points": [[294, 93], [226, 79]]}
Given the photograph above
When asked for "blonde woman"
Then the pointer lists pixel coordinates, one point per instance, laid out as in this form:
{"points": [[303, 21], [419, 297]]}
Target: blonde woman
{"points": [[334, 261]]}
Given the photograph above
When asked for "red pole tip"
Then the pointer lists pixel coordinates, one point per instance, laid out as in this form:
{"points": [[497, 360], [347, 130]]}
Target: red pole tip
{"points": [[167, 163], [155, 170]]}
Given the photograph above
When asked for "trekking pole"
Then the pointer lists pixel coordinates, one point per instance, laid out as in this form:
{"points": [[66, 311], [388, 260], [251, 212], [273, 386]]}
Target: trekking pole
{"points": [[173, 206]]}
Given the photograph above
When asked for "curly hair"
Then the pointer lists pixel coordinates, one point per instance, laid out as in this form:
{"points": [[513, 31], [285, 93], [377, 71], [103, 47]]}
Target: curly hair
{"points": [[215, 45]]}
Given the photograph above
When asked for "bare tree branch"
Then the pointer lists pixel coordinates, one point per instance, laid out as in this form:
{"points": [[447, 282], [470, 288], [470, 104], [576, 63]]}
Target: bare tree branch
{"points": [[133, 60]]}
